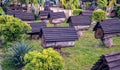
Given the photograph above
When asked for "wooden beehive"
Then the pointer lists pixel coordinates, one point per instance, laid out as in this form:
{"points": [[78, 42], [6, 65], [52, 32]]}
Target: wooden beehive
{"points": [[80, 23], [14, 12], [47, 8], [44, 15], [107, 29], [86, 13], [58, 37], [36, 28], [108, 62], [17, 7], [10, 12], [14, 7], [57, 17], [25, 16]]}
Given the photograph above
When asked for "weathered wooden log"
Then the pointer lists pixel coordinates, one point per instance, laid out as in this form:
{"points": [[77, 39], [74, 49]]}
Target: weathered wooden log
{"points": [[60, 44], [79, 30], [81, 27], [56, 44], [59, 20], [43, 17], [108, 42], [43, 41], [99, 33], [80, 33]]}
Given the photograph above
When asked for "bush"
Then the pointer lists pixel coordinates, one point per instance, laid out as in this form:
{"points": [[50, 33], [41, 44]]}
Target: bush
{"points": [[118, 13], [99, 15], [77, 12], [102, 4], [7, 64], [116, 8], [12, 29], [48, 59], [1, 11], [18, 52], [71, 4]]}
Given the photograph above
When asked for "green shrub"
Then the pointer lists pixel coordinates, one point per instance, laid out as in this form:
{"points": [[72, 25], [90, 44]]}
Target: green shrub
{"points": [[12, 29], [1, 11], [48, 59], [7, 64], [118, 13], [116, 8], [77, 12], [71, 4], [102, 4], [99, 15], [18, 52]]}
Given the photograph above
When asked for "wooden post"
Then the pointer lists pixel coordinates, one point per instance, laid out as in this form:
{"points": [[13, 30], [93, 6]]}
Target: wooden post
{"points": [[43, 41], [108, 42], [79, 32]]}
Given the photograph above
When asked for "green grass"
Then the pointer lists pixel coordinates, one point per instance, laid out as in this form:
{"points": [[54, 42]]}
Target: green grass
{"points": [[87, 51], [84, 54]]}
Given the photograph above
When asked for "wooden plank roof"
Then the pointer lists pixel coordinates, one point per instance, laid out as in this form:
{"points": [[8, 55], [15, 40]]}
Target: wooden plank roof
{"points": [[10, 12], [87, 13], [109, 61], [109, 26], [17, 7], [59, 34], [111, 20], [37, 24], [44, 13], [14, 12], [25, 16], [79, 20], [36, 27], [56, 15]]}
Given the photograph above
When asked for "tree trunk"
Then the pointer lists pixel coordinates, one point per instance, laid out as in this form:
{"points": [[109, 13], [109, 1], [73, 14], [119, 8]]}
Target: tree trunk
{"points": [[108, 42]]}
